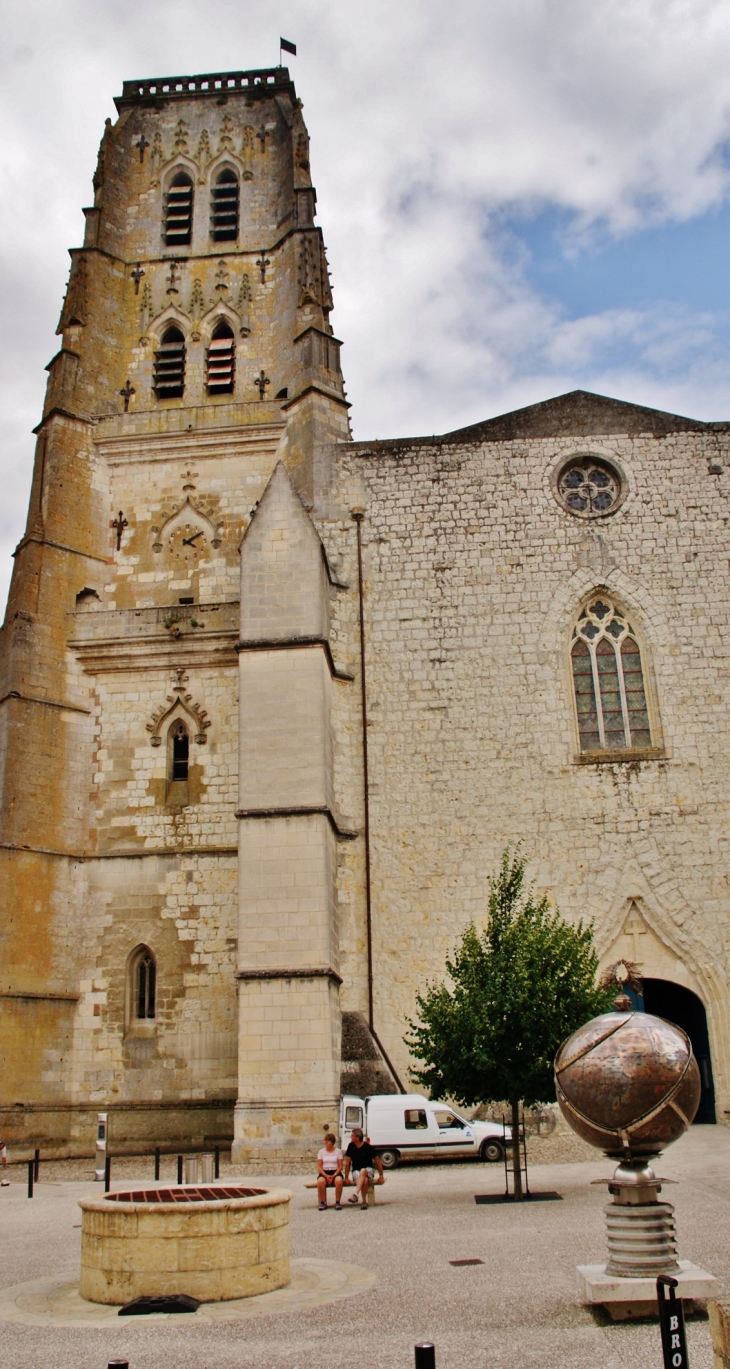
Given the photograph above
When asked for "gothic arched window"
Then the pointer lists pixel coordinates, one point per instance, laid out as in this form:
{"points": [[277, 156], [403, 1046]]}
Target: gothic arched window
{"points": [[608, 677], [142, 985], [179, 211], [224, 207], [170, 365], [179, 752], [220, 360]]}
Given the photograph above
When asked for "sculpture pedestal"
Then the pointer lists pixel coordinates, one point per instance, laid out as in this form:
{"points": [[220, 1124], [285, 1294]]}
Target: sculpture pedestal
{"points": [[626, 1298]]}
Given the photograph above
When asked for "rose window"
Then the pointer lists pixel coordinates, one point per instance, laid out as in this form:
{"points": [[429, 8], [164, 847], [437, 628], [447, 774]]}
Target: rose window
{"points": [[589, 487]]}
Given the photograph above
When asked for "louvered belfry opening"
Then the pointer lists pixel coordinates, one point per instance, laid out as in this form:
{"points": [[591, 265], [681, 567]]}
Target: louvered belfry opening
{"points": [[170, 365], [224, 207], [221, 360], [179, 211]]}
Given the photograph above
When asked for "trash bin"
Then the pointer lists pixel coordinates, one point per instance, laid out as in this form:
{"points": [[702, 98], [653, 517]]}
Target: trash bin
{"points": [[207, 1168], [191, 1170]]}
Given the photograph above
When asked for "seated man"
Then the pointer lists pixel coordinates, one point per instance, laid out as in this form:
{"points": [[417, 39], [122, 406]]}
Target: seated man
{"points": [[364, 1161], [329, 1166]]}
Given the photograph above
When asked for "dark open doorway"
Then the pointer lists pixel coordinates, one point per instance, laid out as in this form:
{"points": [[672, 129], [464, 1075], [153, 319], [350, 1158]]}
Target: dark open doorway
{"points": [[679, 1005]]}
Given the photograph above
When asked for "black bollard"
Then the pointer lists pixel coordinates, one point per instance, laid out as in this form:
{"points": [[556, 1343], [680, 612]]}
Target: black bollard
{"points": [[671, 1320], [426, 1355], [157, 1162], [30, 1178], [118, 1364], [36, 1165], [179, 1168], [217, 1170], [107, 1173]]}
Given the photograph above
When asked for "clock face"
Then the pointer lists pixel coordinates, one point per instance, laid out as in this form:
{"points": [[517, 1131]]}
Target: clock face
{"points": [[188, 544]]}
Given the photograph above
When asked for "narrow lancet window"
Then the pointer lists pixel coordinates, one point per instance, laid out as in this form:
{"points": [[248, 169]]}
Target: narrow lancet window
{"points": [[221, 360], [608, 679], [224, 207], [179, 211], [180, 752], [145, 987], [170, 365]]}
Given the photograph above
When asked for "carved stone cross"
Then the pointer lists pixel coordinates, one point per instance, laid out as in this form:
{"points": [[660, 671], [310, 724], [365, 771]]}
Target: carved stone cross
{"points": [[261, 382], [221, 276], [173, 278], [120, 523], [262, 264], [126, 394], [137, 275], [141, 143]]}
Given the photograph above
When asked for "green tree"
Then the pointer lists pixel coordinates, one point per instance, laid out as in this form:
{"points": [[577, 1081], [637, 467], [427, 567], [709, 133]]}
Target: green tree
{"points": [[520, 988]]}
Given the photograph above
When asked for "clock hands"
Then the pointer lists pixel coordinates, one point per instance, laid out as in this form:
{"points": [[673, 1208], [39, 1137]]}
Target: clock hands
{"points": [[190, 541]]}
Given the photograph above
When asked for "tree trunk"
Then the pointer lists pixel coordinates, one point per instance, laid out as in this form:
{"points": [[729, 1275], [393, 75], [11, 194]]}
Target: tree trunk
{"points": [[516, 1155]]}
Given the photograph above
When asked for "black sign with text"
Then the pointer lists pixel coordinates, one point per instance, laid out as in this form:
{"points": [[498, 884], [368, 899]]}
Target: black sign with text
{"points": [[671, 1320]]}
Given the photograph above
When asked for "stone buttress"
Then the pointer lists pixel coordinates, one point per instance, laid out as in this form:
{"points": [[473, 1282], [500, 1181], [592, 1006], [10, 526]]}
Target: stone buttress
{"points": [[288, 952]]}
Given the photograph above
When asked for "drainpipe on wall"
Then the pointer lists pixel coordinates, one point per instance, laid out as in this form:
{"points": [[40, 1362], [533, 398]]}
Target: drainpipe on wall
{"points": [[358, 515]]}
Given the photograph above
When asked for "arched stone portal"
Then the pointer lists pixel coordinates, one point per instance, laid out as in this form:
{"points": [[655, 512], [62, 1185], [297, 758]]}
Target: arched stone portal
{"points": [[678, 1004]]}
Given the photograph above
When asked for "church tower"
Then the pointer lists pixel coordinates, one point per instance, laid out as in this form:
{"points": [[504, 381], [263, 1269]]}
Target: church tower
{"points": [[196, 385]]}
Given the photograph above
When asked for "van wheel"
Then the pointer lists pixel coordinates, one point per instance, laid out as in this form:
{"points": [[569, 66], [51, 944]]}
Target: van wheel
{"points": [[491, 1151], [389, 1158]]}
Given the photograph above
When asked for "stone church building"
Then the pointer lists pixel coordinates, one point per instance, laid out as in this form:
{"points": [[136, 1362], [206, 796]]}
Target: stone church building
{"points": [[274, 701]]}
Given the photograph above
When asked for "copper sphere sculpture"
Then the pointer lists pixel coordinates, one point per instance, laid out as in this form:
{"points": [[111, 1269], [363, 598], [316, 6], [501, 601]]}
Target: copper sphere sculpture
{"points": [[628, 1082]]}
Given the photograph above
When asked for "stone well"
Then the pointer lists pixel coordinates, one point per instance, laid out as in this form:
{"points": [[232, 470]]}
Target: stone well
{"points": [[212, 1243]]}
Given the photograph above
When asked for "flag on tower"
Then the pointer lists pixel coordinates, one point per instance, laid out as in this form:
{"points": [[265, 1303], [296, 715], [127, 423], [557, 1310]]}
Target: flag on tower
{"points": [[286, 46]]}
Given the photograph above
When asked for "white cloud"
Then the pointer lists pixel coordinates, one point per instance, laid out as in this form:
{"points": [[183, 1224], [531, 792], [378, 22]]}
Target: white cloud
{"points": [[428, 123]]}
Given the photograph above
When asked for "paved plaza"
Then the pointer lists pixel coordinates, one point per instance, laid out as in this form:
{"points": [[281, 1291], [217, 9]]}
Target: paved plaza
{"points": [[366, 1287]]}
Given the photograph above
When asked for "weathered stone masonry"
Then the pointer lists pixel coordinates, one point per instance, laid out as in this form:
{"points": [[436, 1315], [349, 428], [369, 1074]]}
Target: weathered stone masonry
{"points": [[183, 916]]}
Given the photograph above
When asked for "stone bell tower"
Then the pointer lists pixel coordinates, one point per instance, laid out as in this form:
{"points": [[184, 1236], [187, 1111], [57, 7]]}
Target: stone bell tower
{"points": [[196, 354]]}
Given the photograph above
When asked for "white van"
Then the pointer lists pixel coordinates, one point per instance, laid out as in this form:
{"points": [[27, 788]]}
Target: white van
{"points": [[403, 1126]]}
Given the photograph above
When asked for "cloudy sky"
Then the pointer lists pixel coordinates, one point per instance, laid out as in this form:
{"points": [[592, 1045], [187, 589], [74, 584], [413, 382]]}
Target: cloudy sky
{"points": [[519, 197]]}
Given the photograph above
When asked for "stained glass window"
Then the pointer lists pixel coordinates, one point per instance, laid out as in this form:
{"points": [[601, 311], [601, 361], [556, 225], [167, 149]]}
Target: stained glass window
{"points": [[608, 679]]}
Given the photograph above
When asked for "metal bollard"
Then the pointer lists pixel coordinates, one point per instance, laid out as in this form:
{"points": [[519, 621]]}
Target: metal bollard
{"points": [[30, 1178], [671, 1321], [107, 1173], [426, 1355], [36, 1164], [179, 1168], [157, 1162], [217, 1153]]}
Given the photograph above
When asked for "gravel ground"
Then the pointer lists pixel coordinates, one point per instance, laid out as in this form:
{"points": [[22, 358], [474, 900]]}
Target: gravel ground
{"points": [[518, 1310]]}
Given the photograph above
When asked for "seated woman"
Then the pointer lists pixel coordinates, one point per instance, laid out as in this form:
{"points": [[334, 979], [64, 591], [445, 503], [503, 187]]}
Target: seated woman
{"points": [[329, 1166]]}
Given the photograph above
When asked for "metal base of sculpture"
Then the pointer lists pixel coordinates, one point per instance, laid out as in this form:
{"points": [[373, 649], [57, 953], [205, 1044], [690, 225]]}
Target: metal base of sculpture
{"points": [[641, 1240], [642, 1237]]}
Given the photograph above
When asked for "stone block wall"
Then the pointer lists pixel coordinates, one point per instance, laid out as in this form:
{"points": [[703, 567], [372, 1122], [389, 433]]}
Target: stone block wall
{"points": [[474, 575]]}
